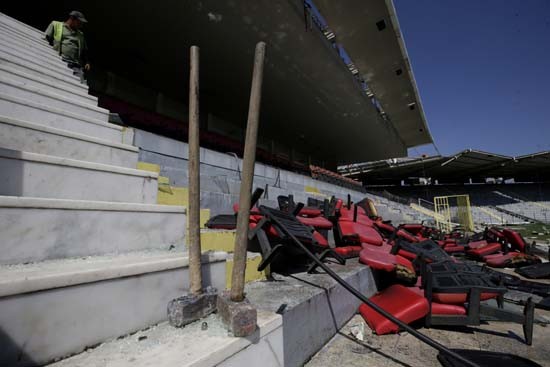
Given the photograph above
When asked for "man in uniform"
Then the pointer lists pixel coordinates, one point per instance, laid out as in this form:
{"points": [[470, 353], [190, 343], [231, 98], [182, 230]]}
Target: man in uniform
{"points": [[68, 39]]}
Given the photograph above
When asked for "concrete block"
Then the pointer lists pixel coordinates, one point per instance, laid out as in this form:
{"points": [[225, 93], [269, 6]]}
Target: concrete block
{"points": [[37, 138], [239, 317], [190, 308]]}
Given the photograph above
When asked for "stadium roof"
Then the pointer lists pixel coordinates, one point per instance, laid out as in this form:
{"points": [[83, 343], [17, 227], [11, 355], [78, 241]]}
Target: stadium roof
{"points": [[474, 164], [311, 99], [371, 34]]}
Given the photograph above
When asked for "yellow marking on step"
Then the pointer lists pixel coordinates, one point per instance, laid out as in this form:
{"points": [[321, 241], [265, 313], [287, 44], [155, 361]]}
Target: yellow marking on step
{"points": [[177, 196], [204, 217], [312, 189], [217, 240], [251, 273], [151, 167]]}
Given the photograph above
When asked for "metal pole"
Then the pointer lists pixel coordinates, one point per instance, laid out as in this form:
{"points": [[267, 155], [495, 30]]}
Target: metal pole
{"points": [[193, 213], [249, 158]]}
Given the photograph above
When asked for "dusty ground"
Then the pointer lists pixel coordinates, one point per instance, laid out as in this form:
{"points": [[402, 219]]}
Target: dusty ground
{"points": [[405, 350]]}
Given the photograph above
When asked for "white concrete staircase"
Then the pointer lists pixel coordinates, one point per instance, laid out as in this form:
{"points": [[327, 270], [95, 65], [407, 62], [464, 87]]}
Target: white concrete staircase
{"points": [[86, 253]]}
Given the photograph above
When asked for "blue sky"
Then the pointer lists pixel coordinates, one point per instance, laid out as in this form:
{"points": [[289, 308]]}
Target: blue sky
{"points": [[483, 71]]}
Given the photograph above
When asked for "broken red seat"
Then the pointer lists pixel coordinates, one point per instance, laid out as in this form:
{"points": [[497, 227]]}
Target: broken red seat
{"points": [[510, 260], [310, 212], [254, 210], [321, 240], [407, 236], [272, 232], [385, 227], [477, 244], [384, 247], [364, 234], [400, 302], [414, 228], [442, 308], [317, 222], [348, 251], [483, 248], [348, 213], [460, 298], [382, 260], [515, 239]]}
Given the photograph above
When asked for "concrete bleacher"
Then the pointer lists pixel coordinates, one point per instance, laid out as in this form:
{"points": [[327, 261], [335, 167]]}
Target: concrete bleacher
{"points": [[87, 252]]}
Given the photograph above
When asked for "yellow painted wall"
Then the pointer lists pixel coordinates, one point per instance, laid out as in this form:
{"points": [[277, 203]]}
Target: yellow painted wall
{"points": [[251, 274]]}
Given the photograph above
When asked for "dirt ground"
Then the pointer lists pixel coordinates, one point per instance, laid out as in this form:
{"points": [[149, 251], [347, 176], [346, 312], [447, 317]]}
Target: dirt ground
{"points": [[404, 350]]}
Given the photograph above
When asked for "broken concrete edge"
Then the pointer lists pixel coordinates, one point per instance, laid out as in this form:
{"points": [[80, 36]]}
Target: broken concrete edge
{"points": [[239, 317], [192, 307]]}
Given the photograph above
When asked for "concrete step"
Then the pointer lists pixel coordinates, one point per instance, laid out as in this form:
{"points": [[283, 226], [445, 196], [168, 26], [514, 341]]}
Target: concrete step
{"points": [[26, 63], [34, 51], [37, 229], [16, 24], [15, 46], [35, 67], [191, 346], [24, 109], [55, 309], [79, 95], [34, 41], [43, 176], [55, 100], [63, 89], [65, 80], [42, 139], [55, 79], [46, 57]]}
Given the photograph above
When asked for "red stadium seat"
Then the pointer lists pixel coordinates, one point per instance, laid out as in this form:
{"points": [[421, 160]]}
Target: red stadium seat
{"points": [[364, 233], [442, 308], [317, 222], [399, 301], [484, 249], [348, 251], [310, 212], [383, 260], [515, 239]]}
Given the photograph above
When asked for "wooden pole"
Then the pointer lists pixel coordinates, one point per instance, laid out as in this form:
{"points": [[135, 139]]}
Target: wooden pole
{"points": [[249, 158], [193, 213]]}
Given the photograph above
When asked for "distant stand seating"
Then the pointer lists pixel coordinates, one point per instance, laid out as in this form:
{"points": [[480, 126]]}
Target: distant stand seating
{"points": [[491, 204], [326, 175]]}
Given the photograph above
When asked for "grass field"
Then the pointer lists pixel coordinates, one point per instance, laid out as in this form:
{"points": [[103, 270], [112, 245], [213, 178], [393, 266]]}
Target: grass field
{"points": [[535, 231]]}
